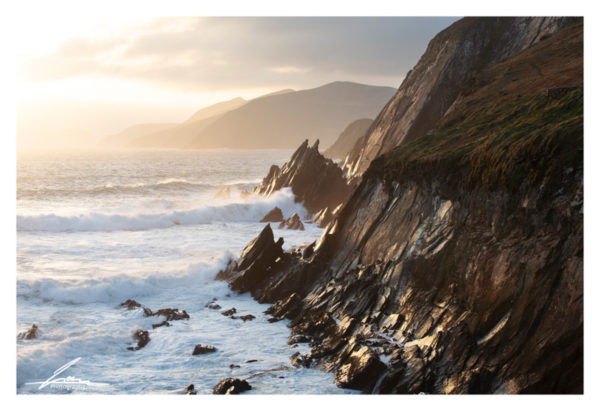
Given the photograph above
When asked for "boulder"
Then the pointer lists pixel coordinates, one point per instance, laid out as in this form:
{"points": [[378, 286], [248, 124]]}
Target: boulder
{"points": [[203, 349], [171, 314], [142, 337], [292, 223], [361, 371], [230, 312], [231, 386], [29, 334], [248, 317], [131, 304], [299, 360], [190, 390], [273, 216]]}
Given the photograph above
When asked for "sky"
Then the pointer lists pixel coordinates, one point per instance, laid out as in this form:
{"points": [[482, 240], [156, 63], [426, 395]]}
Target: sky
{"points": [[82, 79]]}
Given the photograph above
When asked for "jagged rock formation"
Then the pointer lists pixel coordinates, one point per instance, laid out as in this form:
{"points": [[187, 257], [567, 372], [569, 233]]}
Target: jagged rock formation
{"points": [[292, 223], [315, 180], [347, 139], [456, 266], [447, 67], [273, 216]]}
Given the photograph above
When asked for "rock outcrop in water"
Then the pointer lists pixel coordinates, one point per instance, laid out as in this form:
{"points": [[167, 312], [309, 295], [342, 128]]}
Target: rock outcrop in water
{"points": [[316, 181], [142, 338], [292, 223], [273, 216], [30, 334], [231, 386], [456, 266]]}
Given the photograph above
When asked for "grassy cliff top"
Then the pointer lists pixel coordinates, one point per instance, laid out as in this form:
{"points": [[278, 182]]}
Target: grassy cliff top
{"points": [[504, 129]]}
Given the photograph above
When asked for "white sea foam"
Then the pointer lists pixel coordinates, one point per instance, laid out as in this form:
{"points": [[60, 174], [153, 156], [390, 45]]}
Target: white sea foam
{"points": [[249, 210], [116, 289]]}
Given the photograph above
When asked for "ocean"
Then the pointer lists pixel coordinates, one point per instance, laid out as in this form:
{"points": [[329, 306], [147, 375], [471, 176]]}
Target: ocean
{"points": [[95, 228]]}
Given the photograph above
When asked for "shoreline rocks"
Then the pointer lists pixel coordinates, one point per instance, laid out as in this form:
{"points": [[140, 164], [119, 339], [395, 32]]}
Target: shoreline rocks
{"points": [[30, 334], [142, 338], [273, 216], [230, 386], [203, 349], [292, 223]]}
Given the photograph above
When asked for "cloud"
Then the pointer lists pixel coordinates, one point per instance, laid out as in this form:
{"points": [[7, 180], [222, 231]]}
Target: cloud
{"points": [[200, 53]]}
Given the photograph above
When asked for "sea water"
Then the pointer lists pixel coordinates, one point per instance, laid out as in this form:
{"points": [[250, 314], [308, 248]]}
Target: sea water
{"points": [[97, 228]]}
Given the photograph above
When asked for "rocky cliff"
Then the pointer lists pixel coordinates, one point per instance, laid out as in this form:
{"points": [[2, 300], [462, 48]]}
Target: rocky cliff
{"points": [[456, 266], [445, 69], [315, 180]]}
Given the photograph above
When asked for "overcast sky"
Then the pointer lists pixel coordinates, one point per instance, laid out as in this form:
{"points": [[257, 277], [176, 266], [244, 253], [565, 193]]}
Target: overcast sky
{"points": [[98, 77]]}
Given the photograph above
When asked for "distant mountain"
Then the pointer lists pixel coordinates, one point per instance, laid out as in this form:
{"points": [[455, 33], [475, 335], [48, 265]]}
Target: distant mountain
{"points": [[125, 137], [216, 109], [171, 134], [348, 138], [285, 120]]}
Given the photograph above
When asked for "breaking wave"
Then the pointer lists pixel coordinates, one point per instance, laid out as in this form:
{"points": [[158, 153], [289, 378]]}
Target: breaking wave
{"points": [[251, 209]]}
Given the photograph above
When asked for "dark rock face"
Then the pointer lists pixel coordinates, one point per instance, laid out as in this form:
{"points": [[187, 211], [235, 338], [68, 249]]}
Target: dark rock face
{"points": [[292, 223], [203, 349], [316, 181], [29, 334], [142, 338], [273, 216], [190, 390], [231, 386], [446, 68]]}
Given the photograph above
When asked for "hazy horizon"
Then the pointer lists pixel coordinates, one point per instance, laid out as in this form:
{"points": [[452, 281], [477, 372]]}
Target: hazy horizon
{"points": [[84, 82]]}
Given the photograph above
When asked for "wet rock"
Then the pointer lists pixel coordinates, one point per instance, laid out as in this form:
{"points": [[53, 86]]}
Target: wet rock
{"points": [[29, 334], [190, 390], [361, 371], [299, 360], [147, 312], [232, 366], [258, 259], [203, 349], [292, 223], [249, 361], [131, 304], [273, 216], [230, 312], [164, 323], [248, 317], [142, 338], [213, 306], [274, 319], [172, 314], [231, 386]]}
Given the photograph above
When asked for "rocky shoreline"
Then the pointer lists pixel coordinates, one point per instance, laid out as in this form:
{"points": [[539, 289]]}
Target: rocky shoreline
{"points": [[454, 263]]}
